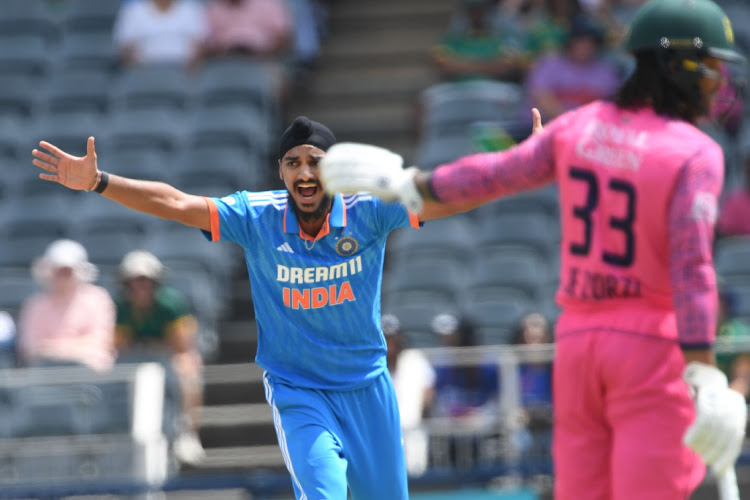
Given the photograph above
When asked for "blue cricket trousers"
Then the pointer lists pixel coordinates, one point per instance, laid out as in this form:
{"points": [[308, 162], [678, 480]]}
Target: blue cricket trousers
{"points": [[331, 439]]}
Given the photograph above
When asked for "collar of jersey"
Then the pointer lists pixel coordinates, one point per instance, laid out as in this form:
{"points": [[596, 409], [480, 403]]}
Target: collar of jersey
{"points": [[335, 218]]}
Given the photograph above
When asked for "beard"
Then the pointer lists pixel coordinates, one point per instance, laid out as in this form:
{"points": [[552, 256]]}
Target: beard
{"points": [[319, 213]]}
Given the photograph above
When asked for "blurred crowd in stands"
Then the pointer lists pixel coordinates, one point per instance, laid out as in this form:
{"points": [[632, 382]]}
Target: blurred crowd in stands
{"points": [[194, 92], [450, 405], [73, 322]]}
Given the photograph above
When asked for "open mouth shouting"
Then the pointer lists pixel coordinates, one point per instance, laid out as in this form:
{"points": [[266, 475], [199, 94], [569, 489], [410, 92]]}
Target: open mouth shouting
{"points": [[309, 193]]}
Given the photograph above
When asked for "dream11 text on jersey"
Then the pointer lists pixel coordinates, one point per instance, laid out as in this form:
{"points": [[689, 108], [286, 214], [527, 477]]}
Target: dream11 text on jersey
{"points": [[316, 297]]}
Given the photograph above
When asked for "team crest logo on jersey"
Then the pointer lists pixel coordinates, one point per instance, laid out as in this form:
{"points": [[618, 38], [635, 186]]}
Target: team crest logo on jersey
{"points": [[728, 33], [346, 246]]}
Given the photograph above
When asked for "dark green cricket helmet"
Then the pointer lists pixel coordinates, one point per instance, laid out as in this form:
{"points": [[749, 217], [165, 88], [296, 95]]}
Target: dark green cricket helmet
{"points": [[693, 25], [680, 33]]}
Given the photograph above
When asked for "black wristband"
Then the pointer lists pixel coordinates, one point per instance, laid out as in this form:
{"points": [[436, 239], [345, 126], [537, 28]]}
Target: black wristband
{"points": [[102, 183]]}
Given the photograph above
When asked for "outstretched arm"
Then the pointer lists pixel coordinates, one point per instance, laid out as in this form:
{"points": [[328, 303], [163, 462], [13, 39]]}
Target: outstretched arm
{"points": [[155, 198], [721, 414], [434, 209], [484, 177], [456, 187]]}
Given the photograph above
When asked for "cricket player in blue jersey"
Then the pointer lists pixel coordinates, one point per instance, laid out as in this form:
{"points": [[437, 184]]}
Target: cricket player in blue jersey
{"points": [[315, 264]]}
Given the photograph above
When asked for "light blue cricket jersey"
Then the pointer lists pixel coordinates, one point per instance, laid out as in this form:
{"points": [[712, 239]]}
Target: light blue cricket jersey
{"points": [[317, 303]]}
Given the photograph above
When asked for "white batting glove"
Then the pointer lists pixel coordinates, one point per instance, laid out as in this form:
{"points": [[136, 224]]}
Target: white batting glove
{"points": [[720, 419], [350, 167]]}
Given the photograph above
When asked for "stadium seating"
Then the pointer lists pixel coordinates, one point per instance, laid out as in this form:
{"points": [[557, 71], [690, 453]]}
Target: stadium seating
{"points": [[232, 126], [36, 221], [496, 319], [24, 55], [439, 148], [247, 169], [733, 259], [175, 242], [415, 313], [24, 17], [238, 82], [16, 284], [66, 132], [522, 273], [439, 278], [542, 201], [77, 91], [65, 425], [17, 101], [524, 231], [742, 300], [150, 162], [108, 247], [457, 105], [158, 129], [152, 87], [450, 237], [90, 15], [93, 51]]}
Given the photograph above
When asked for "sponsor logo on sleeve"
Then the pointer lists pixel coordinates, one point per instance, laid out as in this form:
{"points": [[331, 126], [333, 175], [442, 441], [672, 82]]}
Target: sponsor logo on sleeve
{"points": [[705, 207]]}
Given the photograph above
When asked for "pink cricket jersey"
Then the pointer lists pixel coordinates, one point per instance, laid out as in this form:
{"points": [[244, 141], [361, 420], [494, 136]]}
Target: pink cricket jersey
{"points": [[638, 202]]}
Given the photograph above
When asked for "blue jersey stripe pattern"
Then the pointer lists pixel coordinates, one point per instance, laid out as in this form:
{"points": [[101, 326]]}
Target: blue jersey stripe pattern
{"points": [[317, 306]]}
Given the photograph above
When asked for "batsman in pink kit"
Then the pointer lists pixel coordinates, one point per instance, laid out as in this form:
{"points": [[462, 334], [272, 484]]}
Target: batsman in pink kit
{"points": [[640, 408]]}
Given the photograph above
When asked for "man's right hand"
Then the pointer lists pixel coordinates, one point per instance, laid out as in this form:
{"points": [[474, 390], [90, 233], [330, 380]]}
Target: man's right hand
{"points": [[721, 416], [350, 167], [536, 121], [79, 173]]}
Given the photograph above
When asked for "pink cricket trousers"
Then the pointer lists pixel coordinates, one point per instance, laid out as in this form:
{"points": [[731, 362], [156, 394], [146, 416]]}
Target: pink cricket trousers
{"points": [[621, 409]]}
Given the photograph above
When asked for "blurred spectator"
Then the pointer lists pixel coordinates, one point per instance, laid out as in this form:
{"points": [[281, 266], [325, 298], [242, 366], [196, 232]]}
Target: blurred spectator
{"points": [[414, 382], [155, 320], [161, 32], [734, 213], [473, 47], [615, 15], [736, 366], [535, 377], [7, 340], [72, 321], [462, 390], [546, 26], [466, 396], [578, 75], [261, 28], [535, 374], [309, 28]]}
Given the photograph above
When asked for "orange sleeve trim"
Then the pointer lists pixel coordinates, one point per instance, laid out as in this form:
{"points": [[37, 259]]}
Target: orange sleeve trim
{"points": [[213, 214], [414, 220]]}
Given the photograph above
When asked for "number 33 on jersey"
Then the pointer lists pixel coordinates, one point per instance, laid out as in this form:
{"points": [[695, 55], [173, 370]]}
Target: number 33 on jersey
{"points": [[612, 169]]}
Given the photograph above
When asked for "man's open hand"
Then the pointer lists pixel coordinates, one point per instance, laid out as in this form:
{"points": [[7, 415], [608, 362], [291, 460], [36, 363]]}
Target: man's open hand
{"points": [[79, 173], [536, 121], [721, 416], [351, 167]]}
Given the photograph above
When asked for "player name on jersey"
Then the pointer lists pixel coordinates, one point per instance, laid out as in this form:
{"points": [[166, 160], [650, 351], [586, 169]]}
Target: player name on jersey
{"points": [[587, 285], [320, 296], [611, 145]]}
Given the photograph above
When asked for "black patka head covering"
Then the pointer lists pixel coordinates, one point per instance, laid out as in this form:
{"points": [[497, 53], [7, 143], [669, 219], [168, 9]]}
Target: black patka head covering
{"points": [[305, 131]]}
